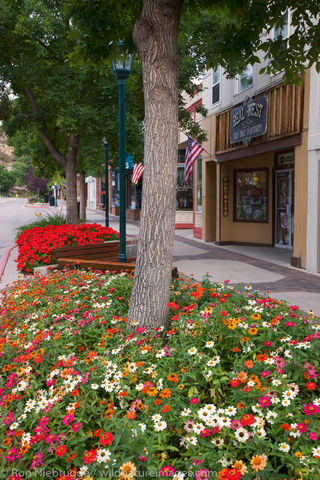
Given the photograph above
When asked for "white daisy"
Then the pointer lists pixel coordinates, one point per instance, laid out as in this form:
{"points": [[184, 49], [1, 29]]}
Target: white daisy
{"points": [[210, 344], [192, 351], [185, 412], [103, 455], [159, 426], [284, 447], [241, 434]]}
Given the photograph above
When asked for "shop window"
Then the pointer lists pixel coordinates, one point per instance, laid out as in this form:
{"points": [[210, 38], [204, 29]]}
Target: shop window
{"points": [[134, 193], [115, 195], [199, 185], [245, 79], [216, 85], [184, 198], [251, 195]]}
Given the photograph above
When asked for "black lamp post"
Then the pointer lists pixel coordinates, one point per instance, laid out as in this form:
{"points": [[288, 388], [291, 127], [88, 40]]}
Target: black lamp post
{"points": [[122, 69], [106, 188]]}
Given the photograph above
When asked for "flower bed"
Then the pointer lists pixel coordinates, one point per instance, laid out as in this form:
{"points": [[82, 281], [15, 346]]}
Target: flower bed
{"points": [[36, 244], [229, 391]]}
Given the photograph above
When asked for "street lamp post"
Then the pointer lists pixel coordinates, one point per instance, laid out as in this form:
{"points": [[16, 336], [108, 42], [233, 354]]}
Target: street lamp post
{"points": [[106, 188], [122, 69]]}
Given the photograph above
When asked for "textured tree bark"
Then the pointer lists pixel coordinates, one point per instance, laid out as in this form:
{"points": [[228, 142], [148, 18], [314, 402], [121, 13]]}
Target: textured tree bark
{"points": [[71, 180], [155, 36], [83, 214]]}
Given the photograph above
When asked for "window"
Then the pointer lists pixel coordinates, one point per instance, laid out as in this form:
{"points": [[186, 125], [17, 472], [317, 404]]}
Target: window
{"points": [[281, 37], [282, 32], [184, 199], [250, 195], [199, 185], [215, 85], [245, 79]]}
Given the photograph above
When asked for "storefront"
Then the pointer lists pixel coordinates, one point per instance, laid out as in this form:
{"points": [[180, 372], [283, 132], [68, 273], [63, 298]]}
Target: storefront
{"points": [[261, 172]]}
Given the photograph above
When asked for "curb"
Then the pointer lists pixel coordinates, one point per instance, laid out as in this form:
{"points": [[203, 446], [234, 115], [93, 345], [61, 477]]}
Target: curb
{"points": [[5, 259]]}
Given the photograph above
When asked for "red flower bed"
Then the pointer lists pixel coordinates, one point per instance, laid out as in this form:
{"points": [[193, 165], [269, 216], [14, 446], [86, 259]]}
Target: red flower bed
{"points": [[36, 244]]}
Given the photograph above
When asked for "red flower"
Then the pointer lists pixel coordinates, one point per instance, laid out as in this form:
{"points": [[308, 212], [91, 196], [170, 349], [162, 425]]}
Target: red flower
{"points": [[90, 456], [61, 450], [106, 439]]}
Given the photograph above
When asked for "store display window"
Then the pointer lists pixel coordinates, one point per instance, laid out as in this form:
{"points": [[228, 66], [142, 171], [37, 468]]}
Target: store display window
{"points": [[251, 195]]}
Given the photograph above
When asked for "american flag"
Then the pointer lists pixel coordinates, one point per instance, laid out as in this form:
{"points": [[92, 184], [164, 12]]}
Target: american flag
{"points": [[137, 172], [193, 151]]}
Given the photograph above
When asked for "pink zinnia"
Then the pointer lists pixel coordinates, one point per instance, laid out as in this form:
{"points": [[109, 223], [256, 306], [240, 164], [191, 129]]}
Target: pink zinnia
{"points": [[265, 374], [76, 426], [311, 409], [202, 474], [205, 433], [166, 471], [313, 436], [264, 401], [194, 400], [67, 419]]}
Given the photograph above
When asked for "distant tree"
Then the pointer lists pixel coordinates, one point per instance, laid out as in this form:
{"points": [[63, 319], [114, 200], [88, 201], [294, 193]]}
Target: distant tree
{"points": [[35, 184], [69, 107], [7, 179]]}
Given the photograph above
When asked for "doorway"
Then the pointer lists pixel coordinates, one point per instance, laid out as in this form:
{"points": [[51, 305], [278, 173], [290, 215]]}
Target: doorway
{"points": [[284, 208]]}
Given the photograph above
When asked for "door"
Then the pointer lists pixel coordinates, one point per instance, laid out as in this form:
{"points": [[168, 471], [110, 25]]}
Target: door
{"points": [[284, 204]]}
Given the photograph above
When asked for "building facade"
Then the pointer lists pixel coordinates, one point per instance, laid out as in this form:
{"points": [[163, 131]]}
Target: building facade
{"points": [[261, 163]]}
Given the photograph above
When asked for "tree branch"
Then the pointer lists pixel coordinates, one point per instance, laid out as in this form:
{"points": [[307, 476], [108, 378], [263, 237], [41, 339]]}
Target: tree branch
{"points": [[43, 130]]}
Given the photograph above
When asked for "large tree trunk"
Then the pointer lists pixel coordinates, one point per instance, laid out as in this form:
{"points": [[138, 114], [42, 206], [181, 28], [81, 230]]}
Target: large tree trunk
{"points": [[71, 180], [155, 36], [83, 214]]}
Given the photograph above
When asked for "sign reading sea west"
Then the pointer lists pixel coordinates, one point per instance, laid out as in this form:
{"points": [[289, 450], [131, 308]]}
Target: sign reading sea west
{"points": [[249, 120]]}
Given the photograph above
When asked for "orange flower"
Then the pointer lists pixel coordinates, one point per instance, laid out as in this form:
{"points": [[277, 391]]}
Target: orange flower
{"points": [[128, 471], [262, 357], [253, 331], [131, 415], [242, 376], [157, 401], [166, 408], [248, 363], [173, 378], [239, 465], [259, 462], [166, 393], [152, 392]]}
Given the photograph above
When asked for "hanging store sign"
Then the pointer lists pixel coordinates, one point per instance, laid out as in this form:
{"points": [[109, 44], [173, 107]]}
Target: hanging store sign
{"points": [[225, 196], [249, 120]]}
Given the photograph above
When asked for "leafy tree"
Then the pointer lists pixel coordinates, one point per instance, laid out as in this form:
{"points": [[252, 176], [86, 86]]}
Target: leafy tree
{"points": [[69, 107], [7, 179], [215, 32], [36, 184]]}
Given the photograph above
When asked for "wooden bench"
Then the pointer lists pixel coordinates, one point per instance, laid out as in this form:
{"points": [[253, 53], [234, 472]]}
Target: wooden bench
{"points": [[100, 256]]}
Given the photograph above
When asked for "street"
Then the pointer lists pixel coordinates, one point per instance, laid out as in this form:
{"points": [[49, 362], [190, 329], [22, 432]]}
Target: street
{"points": [[13, 214]]}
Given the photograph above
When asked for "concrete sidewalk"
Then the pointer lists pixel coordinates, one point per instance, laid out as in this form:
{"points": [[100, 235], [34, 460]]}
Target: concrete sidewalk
{"points": [[270, 272]]}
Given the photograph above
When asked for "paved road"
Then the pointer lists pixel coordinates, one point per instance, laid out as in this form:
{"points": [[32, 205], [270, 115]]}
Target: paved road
{"points": [[13, 214]]}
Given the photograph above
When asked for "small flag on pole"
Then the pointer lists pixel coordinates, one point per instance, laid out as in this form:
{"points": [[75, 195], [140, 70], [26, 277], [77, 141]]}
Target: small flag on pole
{"points": [[137, 172], [193, 151]]}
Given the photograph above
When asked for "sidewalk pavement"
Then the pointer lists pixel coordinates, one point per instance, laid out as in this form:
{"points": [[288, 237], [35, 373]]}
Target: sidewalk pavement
{"points": [[265, 269]]}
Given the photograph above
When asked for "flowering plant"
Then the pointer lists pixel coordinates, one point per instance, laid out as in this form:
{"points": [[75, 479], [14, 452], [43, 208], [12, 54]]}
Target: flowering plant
{"points": [[36, 244], [229, 391]]}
